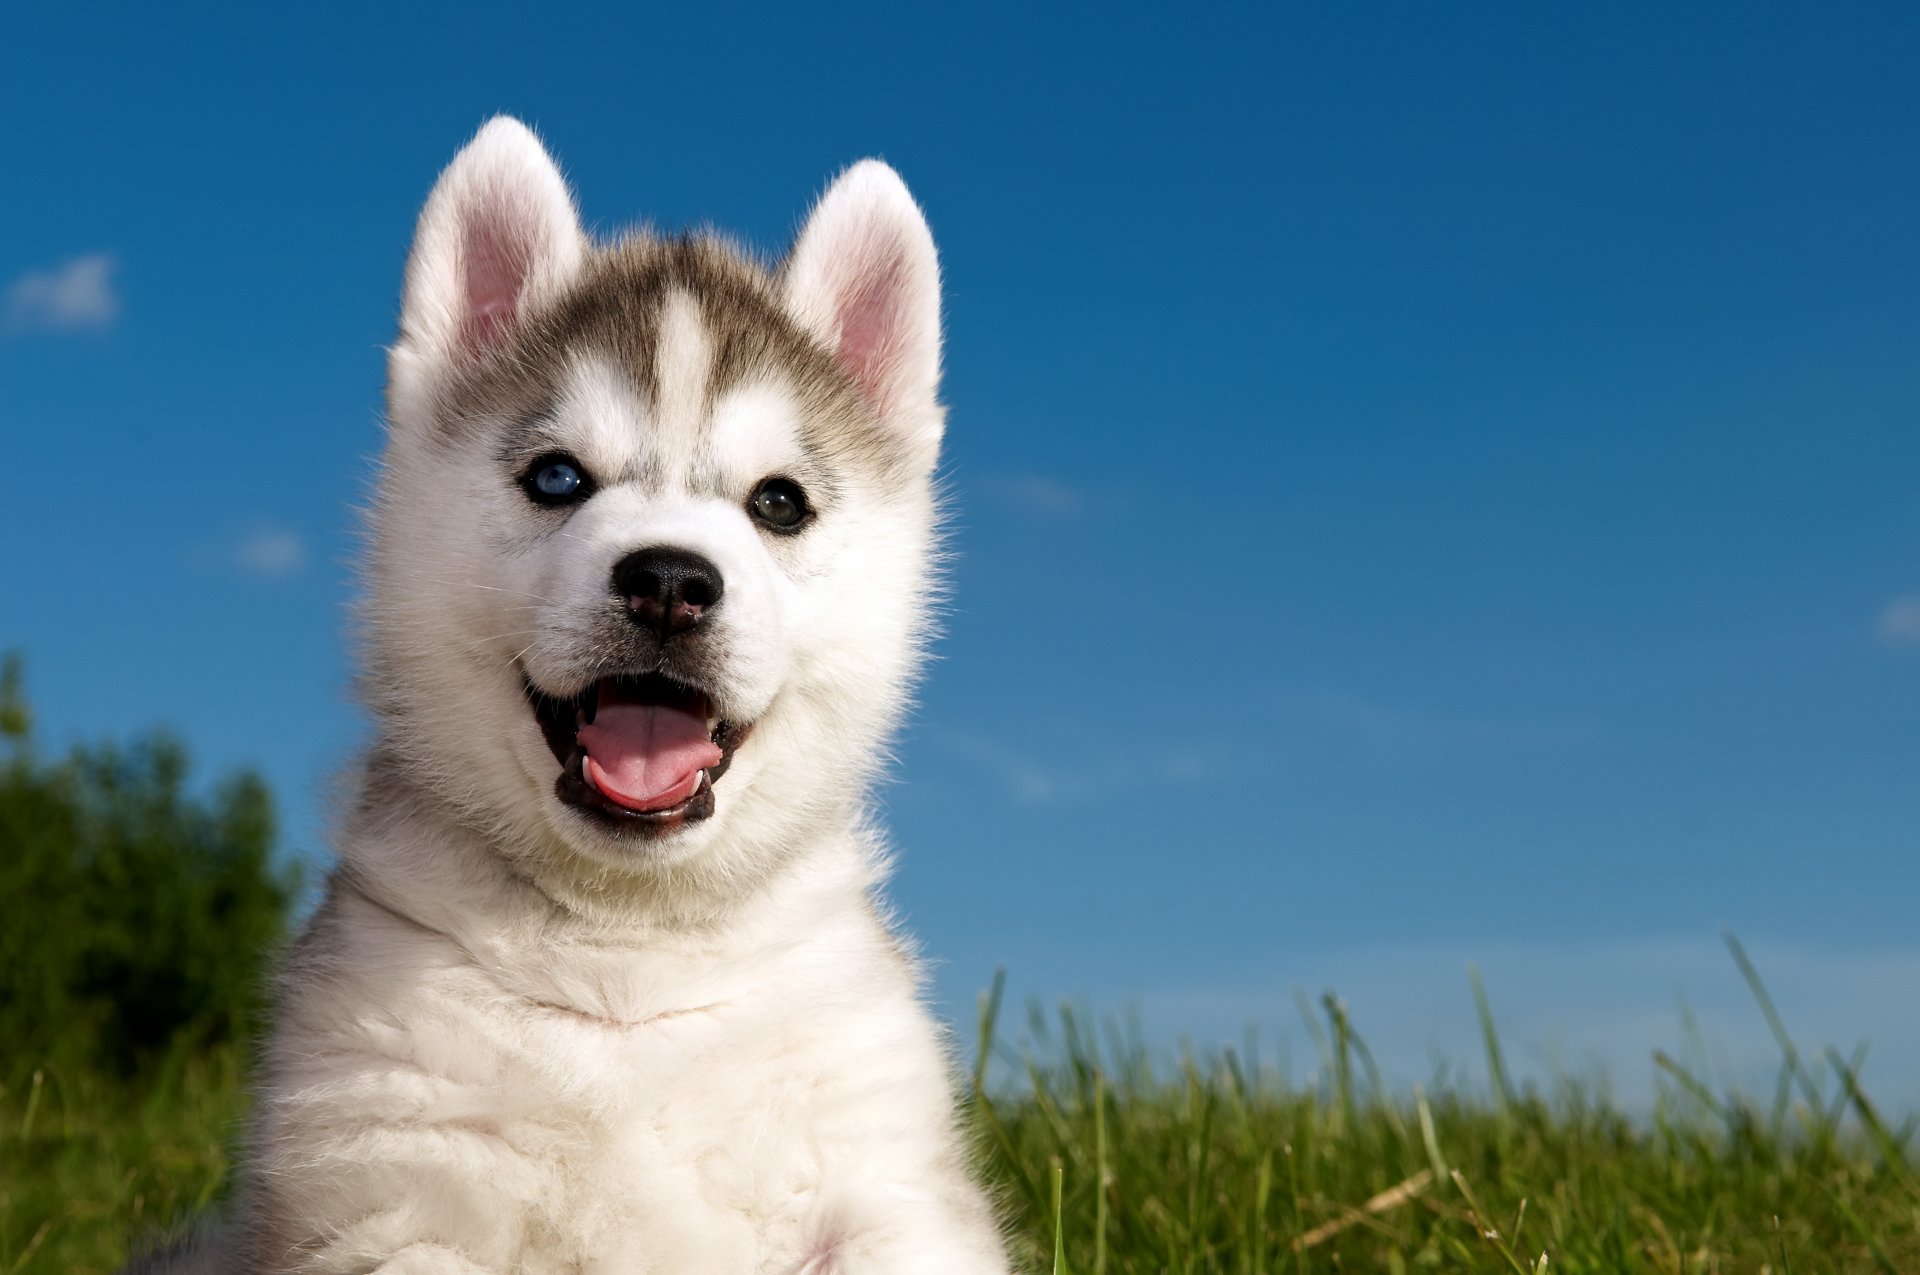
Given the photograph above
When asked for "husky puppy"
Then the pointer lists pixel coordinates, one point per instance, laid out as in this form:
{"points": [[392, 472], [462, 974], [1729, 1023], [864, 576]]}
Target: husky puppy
{"points": [[602, 982]]}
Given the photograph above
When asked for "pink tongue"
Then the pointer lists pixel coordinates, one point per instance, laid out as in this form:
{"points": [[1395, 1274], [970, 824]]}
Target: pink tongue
{"points": [[647, 756]]}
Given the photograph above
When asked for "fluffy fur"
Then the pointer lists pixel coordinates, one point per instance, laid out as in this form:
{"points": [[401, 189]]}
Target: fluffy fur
{"points": [[514, 1037]]}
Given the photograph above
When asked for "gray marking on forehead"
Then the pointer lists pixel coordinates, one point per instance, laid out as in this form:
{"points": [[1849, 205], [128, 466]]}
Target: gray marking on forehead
{"points": [[616, 309], [617, 306]]}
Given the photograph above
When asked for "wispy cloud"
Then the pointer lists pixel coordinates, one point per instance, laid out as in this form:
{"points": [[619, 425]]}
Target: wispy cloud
{"points": [[270, 552], [1018, 774], [1418, 730], [1899, 624], [78, 295], [1087, 774], [1035, 495]]}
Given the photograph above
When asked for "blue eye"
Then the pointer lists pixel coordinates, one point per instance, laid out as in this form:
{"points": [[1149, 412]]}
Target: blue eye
{"points": [[556, 480]]}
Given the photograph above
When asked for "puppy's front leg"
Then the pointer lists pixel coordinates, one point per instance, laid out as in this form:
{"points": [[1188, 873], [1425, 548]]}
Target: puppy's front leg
{"points": [[908, 1231], [431, 1259], [449, 1198]]}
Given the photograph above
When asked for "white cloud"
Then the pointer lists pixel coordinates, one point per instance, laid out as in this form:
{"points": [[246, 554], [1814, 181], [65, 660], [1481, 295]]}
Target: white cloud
{"points": [[77, 295], [270, 552], [1035, 494], [1899, 624]]}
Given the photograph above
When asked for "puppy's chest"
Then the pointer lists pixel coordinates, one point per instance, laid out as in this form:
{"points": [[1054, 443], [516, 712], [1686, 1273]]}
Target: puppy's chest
{"points": [[567, 1111], [665, 1145]]}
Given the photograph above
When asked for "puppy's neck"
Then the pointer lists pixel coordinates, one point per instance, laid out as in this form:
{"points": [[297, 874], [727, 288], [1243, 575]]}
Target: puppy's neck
{"points": [[414, 852]]}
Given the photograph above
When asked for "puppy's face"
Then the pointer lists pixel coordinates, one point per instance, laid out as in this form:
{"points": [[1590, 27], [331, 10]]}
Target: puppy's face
{"points": [[650, 545]]}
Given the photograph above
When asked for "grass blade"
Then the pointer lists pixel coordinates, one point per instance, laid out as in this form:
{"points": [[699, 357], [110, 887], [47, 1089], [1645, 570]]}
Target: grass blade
{"points": [[1496, 1061]]}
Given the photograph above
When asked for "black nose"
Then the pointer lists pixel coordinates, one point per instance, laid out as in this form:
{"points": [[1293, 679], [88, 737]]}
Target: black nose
{"points": [[667, 590]]}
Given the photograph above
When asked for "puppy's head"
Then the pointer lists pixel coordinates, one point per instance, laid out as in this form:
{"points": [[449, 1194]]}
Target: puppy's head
{"points": [[650, 544]]}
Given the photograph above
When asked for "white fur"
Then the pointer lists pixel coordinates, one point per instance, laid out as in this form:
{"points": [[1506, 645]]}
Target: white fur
{"points": [[510, 1042]]}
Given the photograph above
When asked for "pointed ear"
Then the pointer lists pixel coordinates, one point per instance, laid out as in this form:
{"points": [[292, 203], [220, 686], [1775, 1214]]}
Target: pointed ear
{"points": [[863, 278], [499, 234]]}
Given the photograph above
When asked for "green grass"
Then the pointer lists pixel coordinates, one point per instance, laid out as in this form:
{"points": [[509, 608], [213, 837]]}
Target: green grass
{"points": [[88, 1164], [1112, 1162], [1114, 1165]]}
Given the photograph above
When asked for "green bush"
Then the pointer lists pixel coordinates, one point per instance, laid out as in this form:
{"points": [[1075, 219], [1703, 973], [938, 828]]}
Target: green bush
{"points": [[140, 917]]}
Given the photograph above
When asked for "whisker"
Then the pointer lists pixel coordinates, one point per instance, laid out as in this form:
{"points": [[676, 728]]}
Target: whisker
{"points": [[494, 588], [498, 637]]}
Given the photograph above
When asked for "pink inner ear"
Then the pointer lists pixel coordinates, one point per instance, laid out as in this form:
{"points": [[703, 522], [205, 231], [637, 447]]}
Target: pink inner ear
{"points": [[496, 262], [870, 326]]}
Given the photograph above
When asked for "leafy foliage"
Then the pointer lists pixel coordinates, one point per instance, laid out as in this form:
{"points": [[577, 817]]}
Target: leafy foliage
{"points": [[140, 917]]}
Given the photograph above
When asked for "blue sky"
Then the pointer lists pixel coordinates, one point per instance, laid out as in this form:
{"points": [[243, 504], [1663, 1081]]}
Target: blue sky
{"points": [[1430, 485]]}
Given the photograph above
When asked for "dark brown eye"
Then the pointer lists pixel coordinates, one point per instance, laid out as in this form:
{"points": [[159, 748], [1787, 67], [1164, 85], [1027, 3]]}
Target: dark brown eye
{"points": [[780, 504]]}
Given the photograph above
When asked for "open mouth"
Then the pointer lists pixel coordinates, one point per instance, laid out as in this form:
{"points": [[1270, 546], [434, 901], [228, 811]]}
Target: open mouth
{"points": [[637, 751]]}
